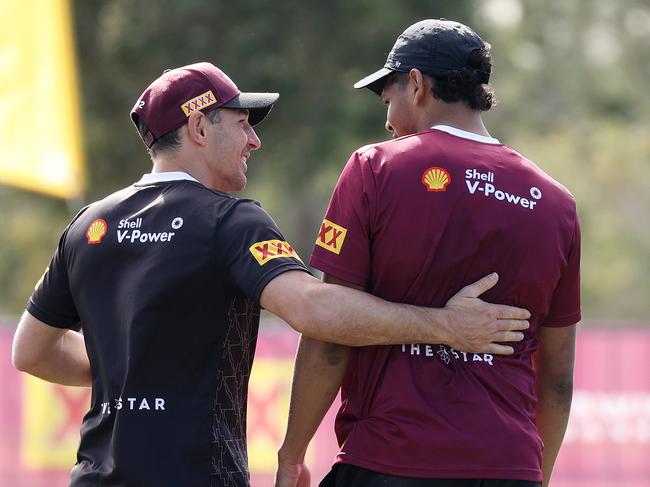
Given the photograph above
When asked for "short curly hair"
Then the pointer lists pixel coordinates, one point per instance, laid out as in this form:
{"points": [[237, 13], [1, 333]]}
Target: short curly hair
{"points": [[469, 85]]}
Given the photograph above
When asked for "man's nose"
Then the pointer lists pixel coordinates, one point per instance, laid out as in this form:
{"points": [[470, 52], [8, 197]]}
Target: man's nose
{"points": [[254, 141], [389, 127]]}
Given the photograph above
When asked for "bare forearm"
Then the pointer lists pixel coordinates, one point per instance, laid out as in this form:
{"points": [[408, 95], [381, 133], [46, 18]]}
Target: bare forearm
{"points": [[318, 374], [554, 388], [338, 314], [552, 416], [70, 365], [64, 361], [351, 317]]}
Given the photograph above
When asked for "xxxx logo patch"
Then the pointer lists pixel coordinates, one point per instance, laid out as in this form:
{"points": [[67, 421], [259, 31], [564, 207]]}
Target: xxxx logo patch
{"points": [[272, 249], [199, 102], [331, 236]]}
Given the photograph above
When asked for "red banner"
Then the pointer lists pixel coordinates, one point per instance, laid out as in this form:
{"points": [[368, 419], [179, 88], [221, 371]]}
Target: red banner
{"points": [[607, 442]]}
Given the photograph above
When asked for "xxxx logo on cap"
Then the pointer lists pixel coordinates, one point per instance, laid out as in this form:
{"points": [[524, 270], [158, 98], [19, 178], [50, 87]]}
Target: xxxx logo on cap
{"points": [[331, 236], [96, 231], [436, 179], [272, 249], [199, 102]]}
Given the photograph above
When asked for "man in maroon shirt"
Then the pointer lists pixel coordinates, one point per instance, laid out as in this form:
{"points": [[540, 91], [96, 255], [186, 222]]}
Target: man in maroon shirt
{"points": [[413, 220]]}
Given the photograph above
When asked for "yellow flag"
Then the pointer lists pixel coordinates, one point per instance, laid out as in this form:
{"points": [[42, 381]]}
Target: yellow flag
{"points": [[39, 108]]}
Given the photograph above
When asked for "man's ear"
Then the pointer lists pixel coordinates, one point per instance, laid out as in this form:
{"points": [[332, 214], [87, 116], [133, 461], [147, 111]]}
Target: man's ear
{"points": [[196, 128], [420, 86]]}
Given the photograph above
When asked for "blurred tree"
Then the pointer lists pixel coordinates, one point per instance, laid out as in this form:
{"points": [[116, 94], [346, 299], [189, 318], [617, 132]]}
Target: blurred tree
{"points": [[31, 227], [570, 76], [311, 52]]}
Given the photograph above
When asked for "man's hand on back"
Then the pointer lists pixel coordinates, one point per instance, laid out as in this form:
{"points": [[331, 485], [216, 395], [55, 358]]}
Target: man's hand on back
{"points": [[480, 327]]}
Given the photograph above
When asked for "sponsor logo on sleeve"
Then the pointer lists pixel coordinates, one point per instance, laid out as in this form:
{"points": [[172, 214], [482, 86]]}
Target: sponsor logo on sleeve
{"points": [[96, 231], [436, 179], [272, 249], [331, 236], [199, 102]]}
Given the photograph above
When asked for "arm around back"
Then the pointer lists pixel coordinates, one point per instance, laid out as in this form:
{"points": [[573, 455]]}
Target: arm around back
{"points": [[338, 314], [333, 313]]}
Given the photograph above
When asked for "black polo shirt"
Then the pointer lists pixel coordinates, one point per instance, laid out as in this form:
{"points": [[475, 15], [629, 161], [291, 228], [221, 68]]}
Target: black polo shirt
{"points": [[164, 278]]}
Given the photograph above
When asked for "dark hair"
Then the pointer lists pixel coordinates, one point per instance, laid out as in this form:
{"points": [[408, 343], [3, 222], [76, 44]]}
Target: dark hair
{"points": [[468, 85], [171, 141]]}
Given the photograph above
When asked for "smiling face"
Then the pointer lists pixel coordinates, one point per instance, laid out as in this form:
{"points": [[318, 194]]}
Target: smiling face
{"points": [[230, 144]]}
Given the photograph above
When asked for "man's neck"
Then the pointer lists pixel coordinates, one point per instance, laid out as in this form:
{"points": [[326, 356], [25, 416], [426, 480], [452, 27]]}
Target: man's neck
{"points": [[457, 115], [176, 161]]}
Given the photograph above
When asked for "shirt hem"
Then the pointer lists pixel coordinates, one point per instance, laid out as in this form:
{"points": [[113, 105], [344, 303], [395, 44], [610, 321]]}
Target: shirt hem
{"points": [[526, 474], [563, 321], [49, 319], [337, 272]]}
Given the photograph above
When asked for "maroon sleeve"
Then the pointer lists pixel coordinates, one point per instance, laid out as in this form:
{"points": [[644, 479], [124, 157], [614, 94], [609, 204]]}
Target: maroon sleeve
{"points": [[342, 247], [565, 304]]}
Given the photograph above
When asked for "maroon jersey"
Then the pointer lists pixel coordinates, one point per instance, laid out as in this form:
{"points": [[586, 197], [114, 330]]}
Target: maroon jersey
{"points": [[413, 220]]}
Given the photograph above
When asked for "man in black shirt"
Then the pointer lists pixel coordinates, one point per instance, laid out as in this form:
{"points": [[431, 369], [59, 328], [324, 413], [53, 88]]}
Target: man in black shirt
{"points": [[166, 278]]}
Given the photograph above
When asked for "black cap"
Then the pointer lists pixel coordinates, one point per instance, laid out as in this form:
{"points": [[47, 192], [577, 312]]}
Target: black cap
{"points": [[433, 46]]}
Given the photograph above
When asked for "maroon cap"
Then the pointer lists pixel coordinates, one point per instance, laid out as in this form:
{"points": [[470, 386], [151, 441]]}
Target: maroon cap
{"points": [[167, 103]]}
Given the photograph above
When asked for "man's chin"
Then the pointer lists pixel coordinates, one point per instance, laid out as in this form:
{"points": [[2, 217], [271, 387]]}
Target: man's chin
{"points": [[240, 185], [232, 186]]}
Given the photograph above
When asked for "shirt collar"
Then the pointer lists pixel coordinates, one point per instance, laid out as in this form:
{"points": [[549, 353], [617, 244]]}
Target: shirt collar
{"points": [[466, 135], [163, 177]]}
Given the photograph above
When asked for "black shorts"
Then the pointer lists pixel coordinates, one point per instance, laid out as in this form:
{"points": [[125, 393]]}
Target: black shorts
{"points": [[345, 475]]}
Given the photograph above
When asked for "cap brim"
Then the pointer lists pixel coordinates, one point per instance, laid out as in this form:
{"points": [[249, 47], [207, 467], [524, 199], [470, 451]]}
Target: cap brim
{"points": [[375, 81], [258, 105]]}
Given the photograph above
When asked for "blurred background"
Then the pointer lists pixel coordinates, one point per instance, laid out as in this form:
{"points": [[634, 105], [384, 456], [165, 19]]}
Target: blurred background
{"points": [[570, 78]]}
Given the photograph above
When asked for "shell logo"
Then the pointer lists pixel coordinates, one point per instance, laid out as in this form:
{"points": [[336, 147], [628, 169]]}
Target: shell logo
{"points": [[436, 179], [96, 231]]}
